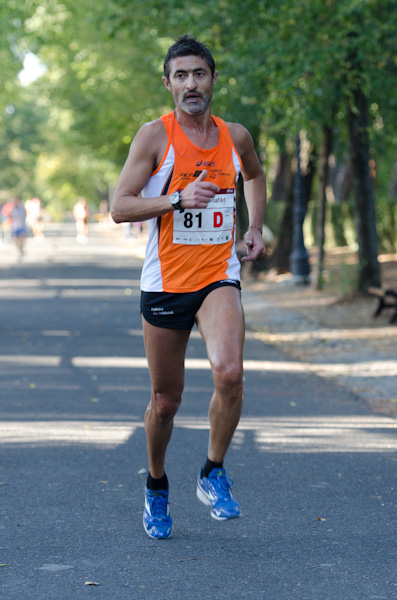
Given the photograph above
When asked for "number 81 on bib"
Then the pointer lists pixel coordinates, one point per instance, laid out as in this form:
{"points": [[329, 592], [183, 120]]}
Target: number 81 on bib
{"points": [[211, 225]]}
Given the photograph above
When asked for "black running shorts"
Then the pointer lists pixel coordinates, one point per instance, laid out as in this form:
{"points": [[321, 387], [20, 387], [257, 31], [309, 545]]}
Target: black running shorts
{"points": [[177, 311]]}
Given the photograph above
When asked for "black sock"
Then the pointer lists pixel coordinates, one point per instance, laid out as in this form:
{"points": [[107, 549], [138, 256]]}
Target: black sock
{"points": [[156, 485], [209, 465]]}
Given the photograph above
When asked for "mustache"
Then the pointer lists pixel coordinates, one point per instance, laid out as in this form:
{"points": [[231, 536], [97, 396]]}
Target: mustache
{"points": [[198, 94]]}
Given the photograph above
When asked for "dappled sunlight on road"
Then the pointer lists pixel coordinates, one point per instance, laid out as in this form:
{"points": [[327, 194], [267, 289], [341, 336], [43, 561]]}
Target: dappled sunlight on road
{"points": [[327, 334], [273, 434], [65, 282], [384, 368], [15, 289], [327, 434], [28, 360], [61, 433], [313, 434]]}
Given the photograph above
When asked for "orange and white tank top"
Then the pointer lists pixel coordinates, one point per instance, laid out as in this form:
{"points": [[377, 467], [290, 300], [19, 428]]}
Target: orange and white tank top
{"points": [[188, 251]]}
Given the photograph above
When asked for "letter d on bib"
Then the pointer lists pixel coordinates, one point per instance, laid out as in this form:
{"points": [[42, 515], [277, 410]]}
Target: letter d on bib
{"points": [[218, 219]]}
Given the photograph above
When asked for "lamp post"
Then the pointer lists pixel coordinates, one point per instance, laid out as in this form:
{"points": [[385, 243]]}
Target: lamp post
{"points": [[299, 258]]}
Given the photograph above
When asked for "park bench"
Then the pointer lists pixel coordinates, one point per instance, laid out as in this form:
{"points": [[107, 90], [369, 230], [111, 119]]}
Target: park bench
{"points": [[386, 299]]}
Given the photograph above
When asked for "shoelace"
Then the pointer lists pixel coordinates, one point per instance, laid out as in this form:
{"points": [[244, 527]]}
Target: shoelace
{"points": [[222, 485], [158, 506]]}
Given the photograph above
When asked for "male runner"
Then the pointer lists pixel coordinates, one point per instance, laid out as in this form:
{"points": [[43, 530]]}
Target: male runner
{"points": [[181, 176]]}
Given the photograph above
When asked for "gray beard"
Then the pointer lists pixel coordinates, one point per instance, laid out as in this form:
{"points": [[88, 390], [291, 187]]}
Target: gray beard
{"points": [[196, 108]]}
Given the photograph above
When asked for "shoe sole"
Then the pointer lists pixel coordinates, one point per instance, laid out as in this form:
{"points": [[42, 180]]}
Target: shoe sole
{"points": [[201, 495]]}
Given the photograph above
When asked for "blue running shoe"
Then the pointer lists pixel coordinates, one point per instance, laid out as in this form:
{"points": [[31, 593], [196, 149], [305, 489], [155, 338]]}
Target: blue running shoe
{"points": [[214, 491], [156, 517]]}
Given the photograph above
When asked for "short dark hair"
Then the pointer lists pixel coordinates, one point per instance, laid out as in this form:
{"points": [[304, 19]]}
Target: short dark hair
{"points": [[187, 46]]}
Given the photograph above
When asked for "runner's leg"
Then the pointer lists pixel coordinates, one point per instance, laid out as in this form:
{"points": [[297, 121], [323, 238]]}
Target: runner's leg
{"points": [[165, 351], [221, 324]]}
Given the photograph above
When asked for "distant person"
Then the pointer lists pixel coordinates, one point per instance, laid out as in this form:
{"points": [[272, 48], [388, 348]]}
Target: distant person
{"points": [[6, 221], [18, 224], [34, 217], [81, 214]]}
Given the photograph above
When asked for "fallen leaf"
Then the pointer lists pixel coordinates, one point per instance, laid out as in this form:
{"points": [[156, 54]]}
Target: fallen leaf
{"points": [[94, 399], [4, 565], [32, 385]]}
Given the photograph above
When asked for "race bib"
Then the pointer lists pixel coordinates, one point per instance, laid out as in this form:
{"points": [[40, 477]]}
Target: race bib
{"points": [[210, 225]]}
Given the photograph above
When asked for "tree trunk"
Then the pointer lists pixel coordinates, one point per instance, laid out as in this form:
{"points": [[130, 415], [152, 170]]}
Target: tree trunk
{"points": [[341, 180], [357, 117], [323, 173], [299, 258], [241, 211], [280, 256], [282, 181]]}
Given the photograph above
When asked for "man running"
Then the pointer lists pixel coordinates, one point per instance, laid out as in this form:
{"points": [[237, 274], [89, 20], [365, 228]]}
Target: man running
{"points": [[181, 176]]}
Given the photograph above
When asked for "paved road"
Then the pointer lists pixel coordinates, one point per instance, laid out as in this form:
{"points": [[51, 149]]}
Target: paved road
{"points": [[315, 471]]}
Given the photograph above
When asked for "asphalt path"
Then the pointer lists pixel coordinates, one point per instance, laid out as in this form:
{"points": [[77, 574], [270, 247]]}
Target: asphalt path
{"points": [[314, 470]]}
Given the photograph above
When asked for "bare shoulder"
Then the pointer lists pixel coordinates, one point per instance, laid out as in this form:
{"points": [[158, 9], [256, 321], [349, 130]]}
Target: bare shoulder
{"points": [[151, 133], [154, 128], [150, 143], [241, 137]]}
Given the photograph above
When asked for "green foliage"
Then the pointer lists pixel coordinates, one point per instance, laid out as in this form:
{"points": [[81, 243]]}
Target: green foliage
{"points": [[339, 214], [344, 279], [11, 22], [22, 124], [274, 215], [386, 221]]}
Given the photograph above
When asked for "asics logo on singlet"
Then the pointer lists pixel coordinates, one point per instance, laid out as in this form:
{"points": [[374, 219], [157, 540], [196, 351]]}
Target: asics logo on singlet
{"points": [[205, 164]]}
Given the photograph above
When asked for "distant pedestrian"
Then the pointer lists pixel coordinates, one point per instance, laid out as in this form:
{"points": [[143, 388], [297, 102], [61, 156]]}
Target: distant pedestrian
{"points": [[18, 224], [34, 217], [6, 221], [81, 214]]}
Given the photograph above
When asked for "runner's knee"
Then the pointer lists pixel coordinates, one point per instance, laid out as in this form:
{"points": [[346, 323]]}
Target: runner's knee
{"points": [[165, 405], [228, 378]]}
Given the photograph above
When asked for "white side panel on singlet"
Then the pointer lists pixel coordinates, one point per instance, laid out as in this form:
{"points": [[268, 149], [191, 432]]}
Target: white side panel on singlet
{"points": [[151, 272], [233, 270]]}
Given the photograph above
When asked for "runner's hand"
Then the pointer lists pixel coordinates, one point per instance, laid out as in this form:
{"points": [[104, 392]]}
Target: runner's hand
{"points": [[199, 192], [255, 246]]}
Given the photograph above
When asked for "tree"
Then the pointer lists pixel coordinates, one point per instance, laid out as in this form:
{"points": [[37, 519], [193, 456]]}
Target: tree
{"points": [[323, 172], [331, 59]]}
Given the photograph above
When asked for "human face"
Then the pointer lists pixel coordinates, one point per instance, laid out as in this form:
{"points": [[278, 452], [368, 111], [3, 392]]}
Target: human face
{"points": [[191, 84]]}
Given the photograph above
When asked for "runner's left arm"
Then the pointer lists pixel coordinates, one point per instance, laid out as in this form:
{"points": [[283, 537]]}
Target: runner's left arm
{"points": [[254, 190]]}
